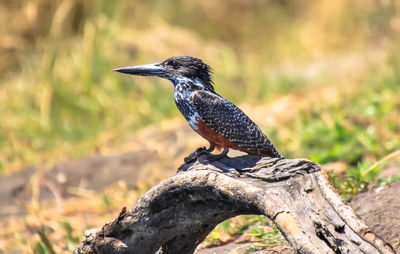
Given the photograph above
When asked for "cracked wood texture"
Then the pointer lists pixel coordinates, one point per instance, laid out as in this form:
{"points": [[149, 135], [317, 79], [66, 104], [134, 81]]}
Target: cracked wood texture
{"points": [[176, 215]]}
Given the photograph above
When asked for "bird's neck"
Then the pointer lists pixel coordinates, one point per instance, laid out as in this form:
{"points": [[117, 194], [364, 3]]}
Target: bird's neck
{"points": [[182, 84], [188, 85]]}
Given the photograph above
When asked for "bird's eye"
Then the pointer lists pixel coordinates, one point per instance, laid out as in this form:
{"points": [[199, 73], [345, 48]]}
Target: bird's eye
{"points": [[174, 64]]}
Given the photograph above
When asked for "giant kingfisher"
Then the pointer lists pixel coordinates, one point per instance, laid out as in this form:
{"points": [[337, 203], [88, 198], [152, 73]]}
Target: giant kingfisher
{"points": [[209, 114]]}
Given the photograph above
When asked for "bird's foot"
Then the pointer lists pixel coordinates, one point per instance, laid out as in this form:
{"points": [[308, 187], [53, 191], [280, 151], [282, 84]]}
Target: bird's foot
{"points": [[221, 155], [202, 150], [196, 154], [213, 157]]}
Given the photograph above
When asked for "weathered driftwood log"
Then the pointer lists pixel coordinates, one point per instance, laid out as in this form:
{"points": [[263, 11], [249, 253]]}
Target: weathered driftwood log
{"points": [[176, 215]]}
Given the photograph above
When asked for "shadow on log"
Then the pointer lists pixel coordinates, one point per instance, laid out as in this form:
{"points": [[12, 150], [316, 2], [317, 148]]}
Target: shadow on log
{"points": [[176, 215]]}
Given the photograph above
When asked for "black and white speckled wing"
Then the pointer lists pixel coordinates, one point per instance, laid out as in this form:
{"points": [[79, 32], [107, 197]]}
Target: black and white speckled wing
{"points": [[228, 120]]}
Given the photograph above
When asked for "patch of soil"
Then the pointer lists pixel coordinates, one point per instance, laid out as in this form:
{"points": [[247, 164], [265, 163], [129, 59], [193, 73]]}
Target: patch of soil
{"points": [[91, 174], [240, 248], [380, 210]]}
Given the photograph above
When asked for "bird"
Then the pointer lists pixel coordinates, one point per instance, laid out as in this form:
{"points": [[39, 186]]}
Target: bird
{"points": [[213, 117]]}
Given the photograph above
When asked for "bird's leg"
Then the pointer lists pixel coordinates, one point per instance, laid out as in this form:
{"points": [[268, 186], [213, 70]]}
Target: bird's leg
{"points": [[221, 155], [211, 148], [199, 151], [212, 157], [203, 150]]}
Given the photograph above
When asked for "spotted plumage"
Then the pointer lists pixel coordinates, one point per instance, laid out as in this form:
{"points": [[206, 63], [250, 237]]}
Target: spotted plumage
{"points": [[213, 117]]}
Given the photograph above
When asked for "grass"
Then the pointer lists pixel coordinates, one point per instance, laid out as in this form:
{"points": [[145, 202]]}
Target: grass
{"points": [[60, 100], [361, 128], [257, 230]]}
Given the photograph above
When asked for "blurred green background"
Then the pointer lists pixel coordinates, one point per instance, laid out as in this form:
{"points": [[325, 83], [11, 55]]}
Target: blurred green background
{"points": [[330, 70], [59, 98]]}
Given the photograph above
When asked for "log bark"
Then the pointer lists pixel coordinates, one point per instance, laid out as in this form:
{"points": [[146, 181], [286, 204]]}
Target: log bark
{"points": [[176, 215]]}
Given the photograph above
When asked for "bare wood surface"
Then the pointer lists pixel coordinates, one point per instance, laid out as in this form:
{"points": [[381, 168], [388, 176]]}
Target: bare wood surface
{"points": [[176, 215]]}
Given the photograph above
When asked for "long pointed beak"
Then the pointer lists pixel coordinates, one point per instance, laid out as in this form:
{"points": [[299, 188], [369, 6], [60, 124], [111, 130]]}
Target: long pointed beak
{"points": [[144, 70]]}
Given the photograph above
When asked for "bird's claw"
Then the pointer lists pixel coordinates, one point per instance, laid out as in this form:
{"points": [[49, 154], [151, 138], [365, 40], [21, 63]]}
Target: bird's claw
{"points": [[202, 150], [193, 156]]}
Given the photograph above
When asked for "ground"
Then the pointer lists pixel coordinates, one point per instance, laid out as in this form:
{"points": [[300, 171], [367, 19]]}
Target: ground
{"points": [[379, 208]]}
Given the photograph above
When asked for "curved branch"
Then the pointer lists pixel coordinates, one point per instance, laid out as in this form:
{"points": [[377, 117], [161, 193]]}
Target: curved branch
{"points": [[176, 215]]}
